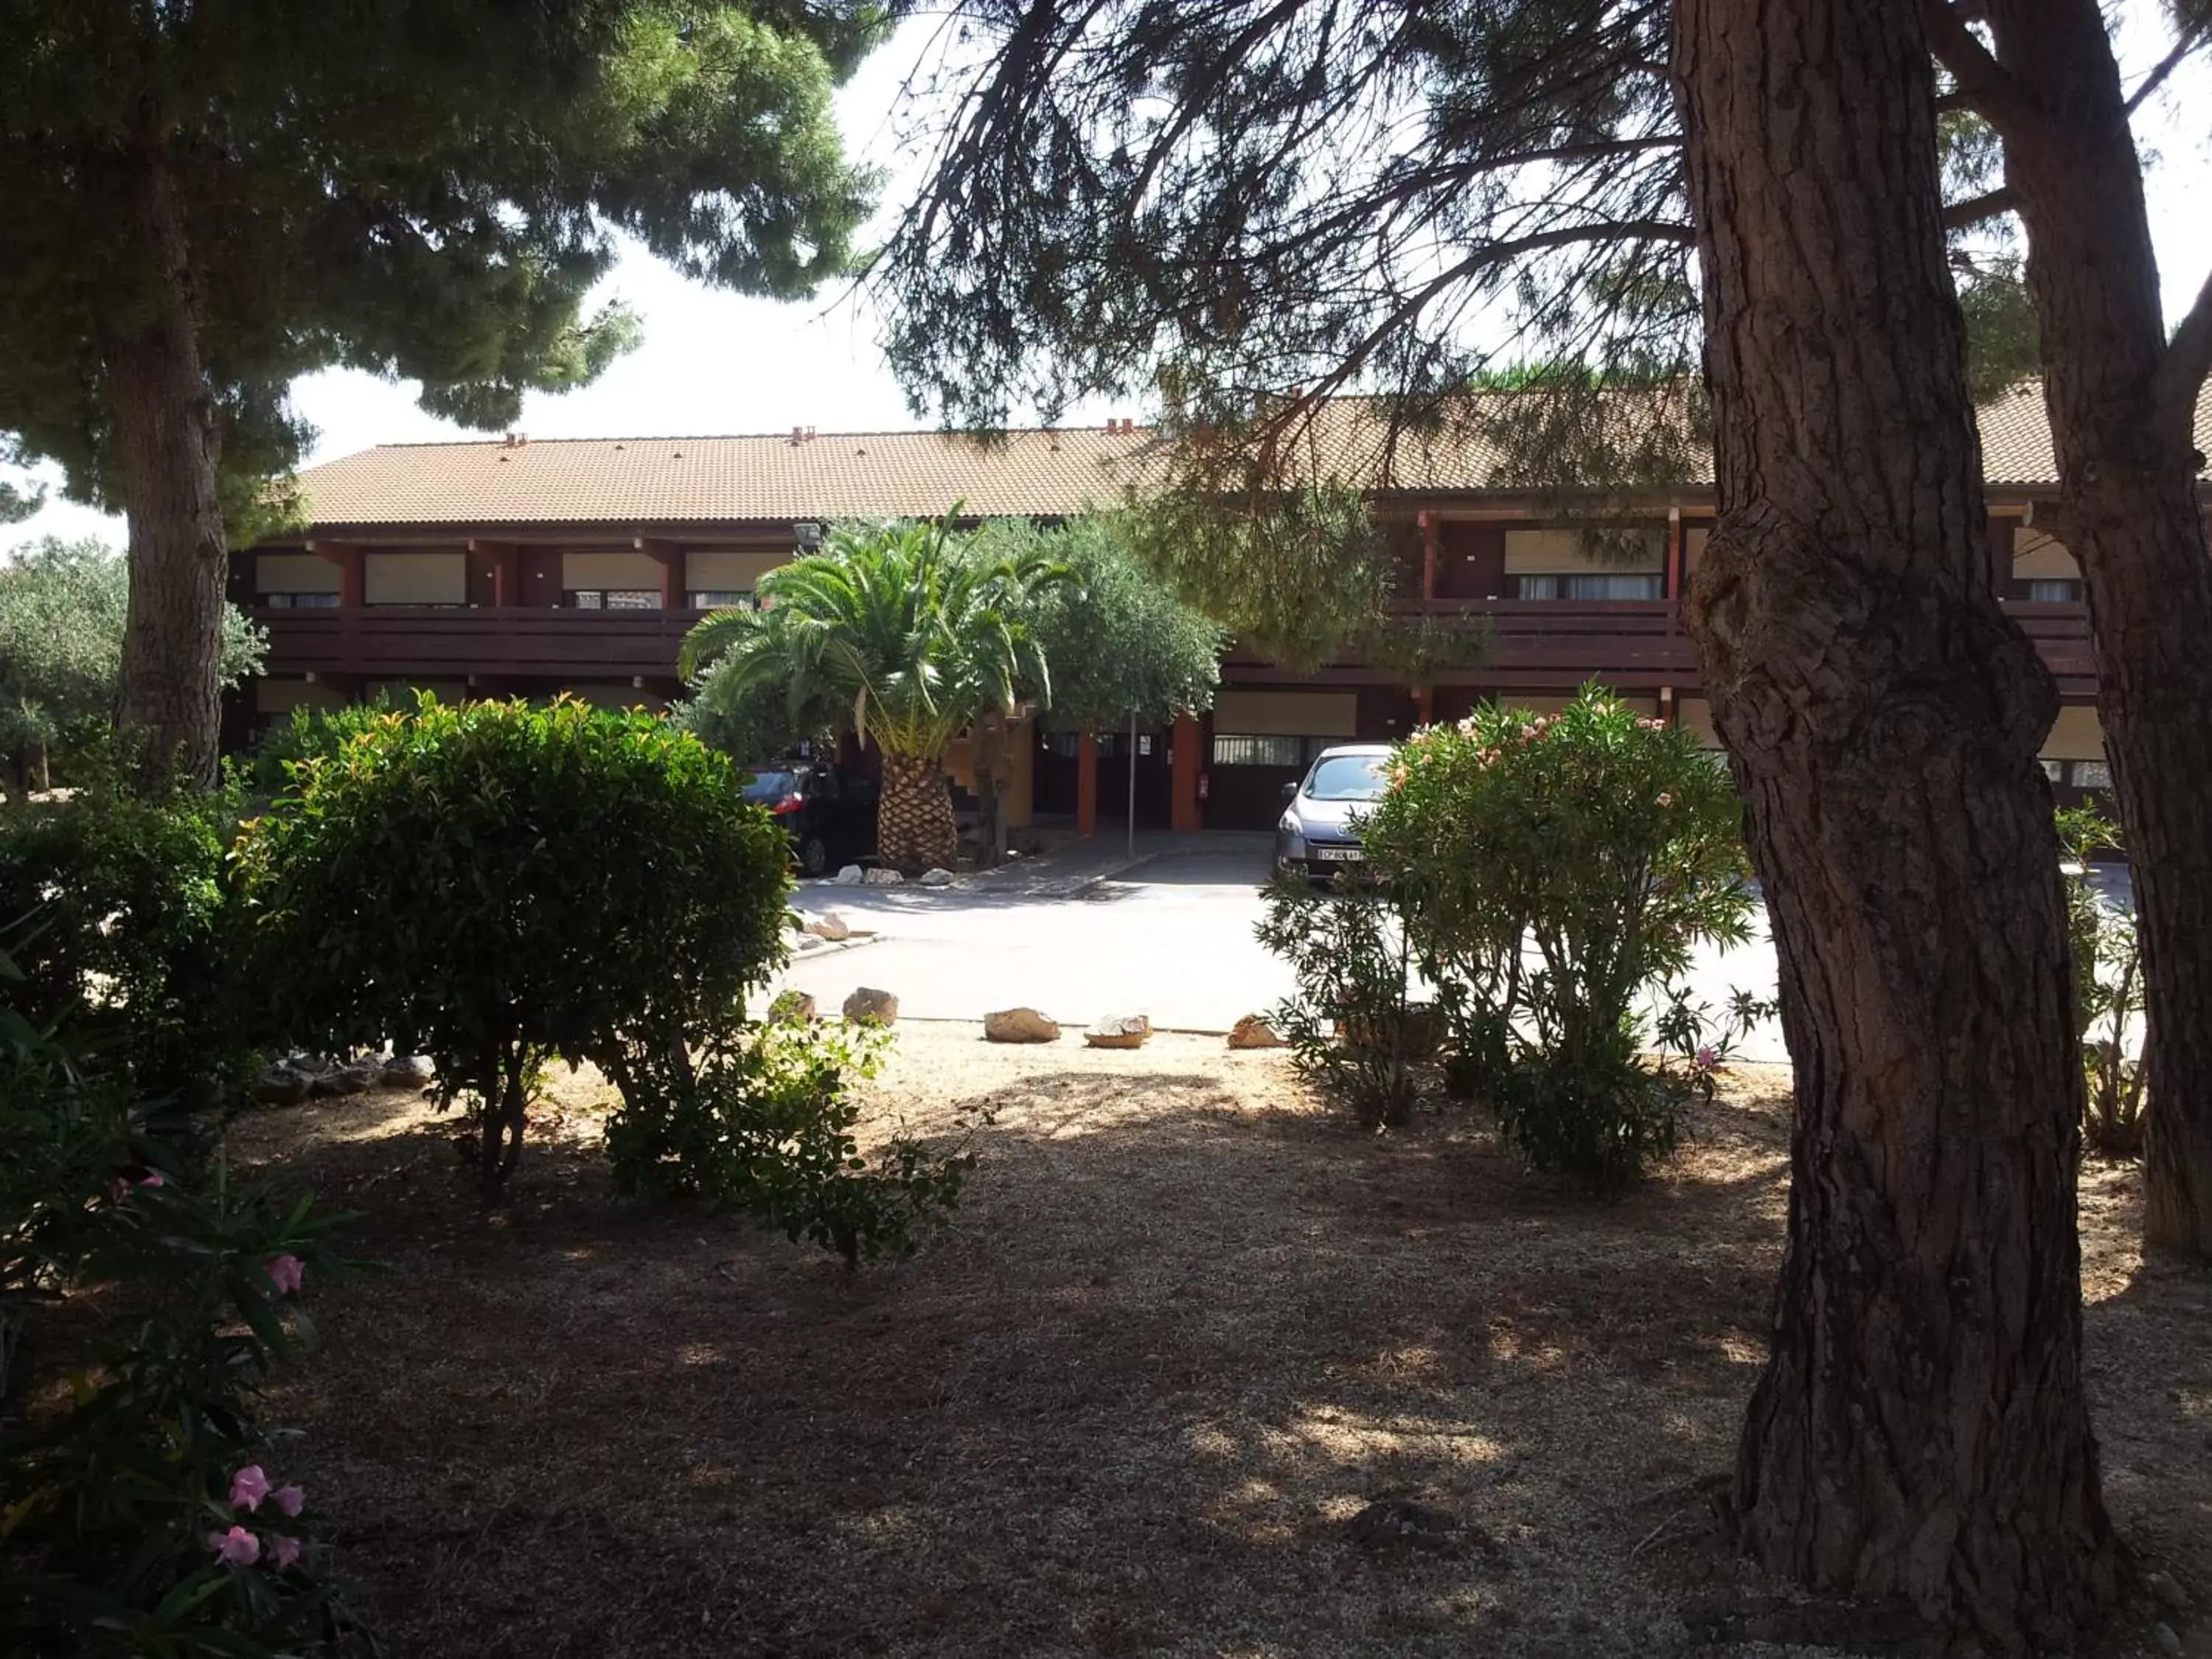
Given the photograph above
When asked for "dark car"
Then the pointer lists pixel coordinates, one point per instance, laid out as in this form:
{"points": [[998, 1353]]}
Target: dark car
{"points": [[830, 813]]}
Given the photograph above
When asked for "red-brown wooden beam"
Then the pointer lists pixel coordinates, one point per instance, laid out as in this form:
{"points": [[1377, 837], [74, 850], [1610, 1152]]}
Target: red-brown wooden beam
{"points": [[1086, 783], [1432, 556], [346, 555], [670, 558], [1183, 813]]}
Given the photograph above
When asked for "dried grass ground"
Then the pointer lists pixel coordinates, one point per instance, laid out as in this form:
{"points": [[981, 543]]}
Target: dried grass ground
{"points": [[1187, 1324]]}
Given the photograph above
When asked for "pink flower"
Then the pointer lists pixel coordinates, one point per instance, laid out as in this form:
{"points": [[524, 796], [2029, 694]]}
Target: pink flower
{"points": [[248, 1487], [290, 1499], [284, 1272], [1707, 1060], [238, 1546], [154, 1179], [283, 1551], [1666, 801], [117, 1190]]}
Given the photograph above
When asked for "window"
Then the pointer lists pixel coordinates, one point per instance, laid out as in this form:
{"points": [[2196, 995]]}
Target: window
{"points": [[1230, 750], [1349, 777], [2092, 774], [300, 601], [612, 598], [721, 598], [1624, 584], [2054, 590], [2055, 770]]}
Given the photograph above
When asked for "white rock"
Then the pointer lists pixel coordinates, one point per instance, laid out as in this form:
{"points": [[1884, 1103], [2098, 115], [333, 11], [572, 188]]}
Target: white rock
{"points": [[867, 1006], [881, 876], [1019, 1025], [1121, 1031], [938, 877], [829, 925], [1253, 1032], [850, 876]]}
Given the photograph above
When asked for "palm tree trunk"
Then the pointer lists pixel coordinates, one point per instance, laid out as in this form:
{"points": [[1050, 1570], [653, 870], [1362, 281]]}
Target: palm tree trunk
{"points": [[914, 830]]}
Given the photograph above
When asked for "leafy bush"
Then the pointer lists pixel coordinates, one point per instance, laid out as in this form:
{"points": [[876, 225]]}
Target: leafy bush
{"points": [[2108, 988], [137, 1476], [765, 1126], [1349, 1024], [498, 885], [1555, 871], [131, 918]]}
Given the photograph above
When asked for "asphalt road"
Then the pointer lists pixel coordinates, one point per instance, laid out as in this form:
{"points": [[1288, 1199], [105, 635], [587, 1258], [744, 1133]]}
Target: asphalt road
{"points": [[1170, 938]]}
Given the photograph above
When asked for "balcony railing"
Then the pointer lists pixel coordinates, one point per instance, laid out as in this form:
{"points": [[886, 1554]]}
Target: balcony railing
{"points": [[1539, 644], [1531, 643], [406, 641]]}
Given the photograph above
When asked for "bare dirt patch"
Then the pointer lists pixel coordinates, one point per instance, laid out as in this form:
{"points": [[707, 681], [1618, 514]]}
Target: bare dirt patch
{"points": [[1188, 1328]]}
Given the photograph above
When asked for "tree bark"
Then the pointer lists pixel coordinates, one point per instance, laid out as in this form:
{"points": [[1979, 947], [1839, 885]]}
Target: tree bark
{"points": [[914, 830], [1919, 1430], [164, 434], [2124, 437]]}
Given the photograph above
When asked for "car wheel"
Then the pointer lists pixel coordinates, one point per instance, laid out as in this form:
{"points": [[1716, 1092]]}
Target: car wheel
{"points": [[814, 855]]}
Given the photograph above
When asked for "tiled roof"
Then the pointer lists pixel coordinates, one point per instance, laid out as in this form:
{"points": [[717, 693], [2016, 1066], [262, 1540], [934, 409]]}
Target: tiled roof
{"points": [[690, 480], [641, 480]]}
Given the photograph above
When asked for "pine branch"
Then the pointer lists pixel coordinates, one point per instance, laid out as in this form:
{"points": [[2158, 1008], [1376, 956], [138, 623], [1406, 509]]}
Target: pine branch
{"points": [[2191, 39], [2188, 359], [1986, 87], [1959, 215]]}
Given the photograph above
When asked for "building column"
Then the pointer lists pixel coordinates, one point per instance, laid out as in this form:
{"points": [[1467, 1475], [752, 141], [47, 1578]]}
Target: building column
{"points": [[1183, 812], [347, 557], [1424, 704], [1086, 783], [1431, 553], [670, 558], [1675, 561]]}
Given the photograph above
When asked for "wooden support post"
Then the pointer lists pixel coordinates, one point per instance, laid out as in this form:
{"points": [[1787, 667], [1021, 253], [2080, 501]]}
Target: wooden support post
{"points": [[670, 558], [1183, 813], [1431, 555], [1086, 783], [1425, 703], [347, 557], [1674, 565]]}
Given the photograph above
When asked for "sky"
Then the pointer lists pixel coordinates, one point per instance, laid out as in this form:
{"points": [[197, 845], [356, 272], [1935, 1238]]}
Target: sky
{"points": [[713, 361]]}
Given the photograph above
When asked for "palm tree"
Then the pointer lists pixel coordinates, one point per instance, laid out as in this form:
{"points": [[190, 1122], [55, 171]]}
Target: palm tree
{"points": [[913, 632]]}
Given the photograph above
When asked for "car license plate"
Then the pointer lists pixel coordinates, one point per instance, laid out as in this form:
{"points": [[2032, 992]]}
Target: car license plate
{"points": [[1338, 855]]}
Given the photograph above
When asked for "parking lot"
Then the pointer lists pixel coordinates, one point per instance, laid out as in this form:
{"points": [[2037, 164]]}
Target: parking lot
{"points": [[1080, 938]]}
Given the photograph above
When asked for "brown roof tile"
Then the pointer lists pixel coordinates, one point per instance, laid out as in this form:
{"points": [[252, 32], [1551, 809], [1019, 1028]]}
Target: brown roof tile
{"points": [[643, 480]]}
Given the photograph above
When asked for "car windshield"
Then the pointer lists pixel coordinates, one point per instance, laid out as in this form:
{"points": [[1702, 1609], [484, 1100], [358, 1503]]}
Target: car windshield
{"points": [[771, 785], [1348, 777]]}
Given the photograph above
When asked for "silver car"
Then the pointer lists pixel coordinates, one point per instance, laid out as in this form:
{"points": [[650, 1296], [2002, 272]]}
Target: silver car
{"points": [[1315, 834]]}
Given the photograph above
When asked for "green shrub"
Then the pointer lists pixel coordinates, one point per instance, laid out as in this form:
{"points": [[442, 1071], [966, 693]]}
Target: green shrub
{"points": [[499, 884], [1556, 871], [1349, 1024], [130, 920], [764, 1125], [128, 1465], [2108, 988]]}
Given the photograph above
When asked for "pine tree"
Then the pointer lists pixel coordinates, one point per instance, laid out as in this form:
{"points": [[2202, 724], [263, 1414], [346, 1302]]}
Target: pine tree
{"points": [[1249, 207], [2123, 401], [206, 200]]}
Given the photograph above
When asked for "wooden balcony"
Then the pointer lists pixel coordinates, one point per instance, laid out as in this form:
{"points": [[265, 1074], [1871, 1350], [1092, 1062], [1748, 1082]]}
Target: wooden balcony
{"points": [[1557, 644], [429, 642], [1531, 645]]}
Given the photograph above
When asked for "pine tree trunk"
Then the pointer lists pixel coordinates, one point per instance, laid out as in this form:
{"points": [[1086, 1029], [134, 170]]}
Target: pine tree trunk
{"points": [[2129, 512], [165, 451], [1919, 1430], [914, 830]]}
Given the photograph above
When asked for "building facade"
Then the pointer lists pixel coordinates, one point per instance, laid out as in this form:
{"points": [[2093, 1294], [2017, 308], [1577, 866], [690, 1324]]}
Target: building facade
{"points": [[514, 568]]}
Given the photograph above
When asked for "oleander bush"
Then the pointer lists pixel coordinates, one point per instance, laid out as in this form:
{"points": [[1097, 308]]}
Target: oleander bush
{"points": [[764, 1125], [1556, 873]]}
